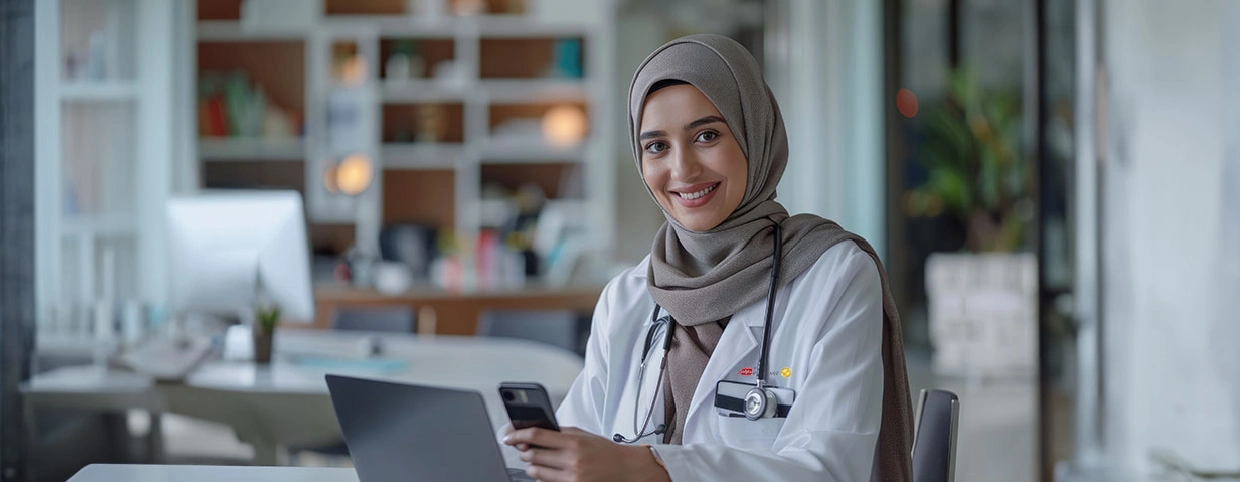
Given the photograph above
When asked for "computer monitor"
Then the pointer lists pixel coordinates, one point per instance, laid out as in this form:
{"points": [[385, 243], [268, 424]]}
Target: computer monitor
{"points": [[230, 250]]}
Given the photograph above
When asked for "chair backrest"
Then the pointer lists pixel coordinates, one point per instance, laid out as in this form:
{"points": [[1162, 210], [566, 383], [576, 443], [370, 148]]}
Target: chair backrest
{"points": [[398, 319], [554, 327], [934, 444]]}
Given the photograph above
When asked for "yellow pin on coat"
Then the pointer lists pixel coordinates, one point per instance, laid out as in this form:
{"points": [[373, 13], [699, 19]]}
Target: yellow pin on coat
{"points": [[786, 372]]}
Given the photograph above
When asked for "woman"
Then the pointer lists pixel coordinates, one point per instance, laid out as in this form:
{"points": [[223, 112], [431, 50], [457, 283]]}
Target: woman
{"points": [[710, 146]]}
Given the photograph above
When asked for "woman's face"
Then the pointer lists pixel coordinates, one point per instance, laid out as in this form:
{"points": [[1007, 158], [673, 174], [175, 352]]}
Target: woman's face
{"points": [[690, 159]]}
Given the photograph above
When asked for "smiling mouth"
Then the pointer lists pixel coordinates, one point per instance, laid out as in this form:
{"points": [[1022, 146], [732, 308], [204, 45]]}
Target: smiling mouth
{"points": [[697, 194]]}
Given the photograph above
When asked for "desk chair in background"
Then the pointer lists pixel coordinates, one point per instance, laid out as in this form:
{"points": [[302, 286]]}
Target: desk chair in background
{"points": [[934, 438], [555, 327], [388, 319]]}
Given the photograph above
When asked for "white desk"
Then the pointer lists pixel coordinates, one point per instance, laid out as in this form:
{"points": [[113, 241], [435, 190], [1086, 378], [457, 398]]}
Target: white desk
{"points": [[210, 473], [286, 403], [95, 388]]}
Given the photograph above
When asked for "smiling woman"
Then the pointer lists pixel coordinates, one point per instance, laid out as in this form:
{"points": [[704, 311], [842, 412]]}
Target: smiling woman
{"points": [[731, 263]]}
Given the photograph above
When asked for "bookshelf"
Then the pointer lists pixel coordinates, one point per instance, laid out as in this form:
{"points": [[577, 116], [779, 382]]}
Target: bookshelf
{"points": [[464, 119], [104, 142]]}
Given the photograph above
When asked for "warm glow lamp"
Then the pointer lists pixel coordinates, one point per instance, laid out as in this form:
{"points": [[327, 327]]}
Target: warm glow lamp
{"points": [[354, 174], [564, 125]]}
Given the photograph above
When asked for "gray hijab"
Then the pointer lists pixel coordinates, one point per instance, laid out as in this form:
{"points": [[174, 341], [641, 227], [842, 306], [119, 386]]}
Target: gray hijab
{"points": [[703, 278]]}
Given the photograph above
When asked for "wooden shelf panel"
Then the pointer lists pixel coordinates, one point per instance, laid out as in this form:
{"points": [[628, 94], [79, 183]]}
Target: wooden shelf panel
{"points": [[364, 7], [557, 180], [423, 197], [219, 9], [277, 66], [241, 174], [432, 51], [331, 239], [456, 313], [430, 122], [522, 58]]}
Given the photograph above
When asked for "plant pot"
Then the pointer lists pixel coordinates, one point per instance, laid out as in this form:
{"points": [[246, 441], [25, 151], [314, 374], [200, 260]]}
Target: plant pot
{"points": [[983, 313], [262, 344]]}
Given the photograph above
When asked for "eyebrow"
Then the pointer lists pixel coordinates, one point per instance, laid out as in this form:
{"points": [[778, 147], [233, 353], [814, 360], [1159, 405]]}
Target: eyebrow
{"points": [[710, 119]]}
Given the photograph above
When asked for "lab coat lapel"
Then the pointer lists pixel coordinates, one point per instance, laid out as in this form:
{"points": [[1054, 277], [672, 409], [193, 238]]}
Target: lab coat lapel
{"points": [[738, 340]]}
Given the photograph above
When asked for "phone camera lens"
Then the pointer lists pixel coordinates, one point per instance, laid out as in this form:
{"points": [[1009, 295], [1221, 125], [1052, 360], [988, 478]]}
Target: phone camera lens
{"points": [[508, 395]]}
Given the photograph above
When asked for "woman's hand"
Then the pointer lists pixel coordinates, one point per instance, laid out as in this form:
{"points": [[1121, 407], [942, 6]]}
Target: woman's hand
{"points": [[572, 455]]}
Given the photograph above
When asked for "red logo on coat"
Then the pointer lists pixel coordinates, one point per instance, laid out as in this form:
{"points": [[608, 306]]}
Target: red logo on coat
{"points": [[746, 372]]}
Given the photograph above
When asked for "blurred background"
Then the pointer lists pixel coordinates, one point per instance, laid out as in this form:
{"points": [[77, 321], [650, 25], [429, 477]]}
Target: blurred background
{"points": [[1053, 185]]}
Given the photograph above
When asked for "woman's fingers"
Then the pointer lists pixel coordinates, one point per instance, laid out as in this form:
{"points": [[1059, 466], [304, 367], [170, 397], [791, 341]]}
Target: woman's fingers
{"points": [[548, 474], [538, 436], [555, 459]]}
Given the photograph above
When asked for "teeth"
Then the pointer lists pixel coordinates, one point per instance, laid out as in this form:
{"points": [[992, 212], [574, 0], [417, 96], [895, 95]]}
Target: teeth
{"points": [[695, 195]]}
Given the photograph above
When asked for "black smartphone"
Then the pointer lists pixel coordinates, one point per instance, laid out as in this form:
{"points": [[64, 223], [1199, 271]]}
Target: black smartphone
{"points": [[528, 405]]}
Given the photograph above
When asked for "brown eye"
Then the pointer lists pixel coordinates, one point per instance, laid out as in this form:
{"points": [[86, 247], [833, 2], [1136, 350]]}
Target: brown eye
{"points": [[655, 147], [707, 136]]}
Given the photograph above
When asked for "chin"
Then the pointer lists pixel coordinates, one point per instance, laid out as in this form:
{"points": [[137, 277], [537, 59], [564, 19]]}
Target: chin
{"points": [[700, 224]]}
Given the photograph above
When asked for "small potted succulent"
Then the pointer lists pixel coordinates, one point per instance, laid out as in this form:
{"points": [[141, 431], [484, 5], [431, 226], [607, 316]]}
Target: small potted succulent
{"points": [[265, 320]]}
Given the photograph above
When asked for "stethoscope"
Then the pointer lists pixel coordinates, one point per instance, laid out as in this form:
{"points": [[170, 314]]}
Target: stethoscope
{"points": [[760, 401]]}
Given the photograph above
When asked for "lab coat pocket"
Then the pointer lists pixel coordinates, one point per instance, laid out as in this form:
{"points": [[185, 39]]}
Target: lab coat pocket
{"points": [[743, 433]]}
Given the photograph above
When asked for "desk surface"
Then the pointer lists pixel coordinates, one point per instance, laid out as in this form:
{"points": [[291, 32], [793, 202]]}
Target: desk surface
{"points": [[476, 363], [286, 402], [211, 473]]}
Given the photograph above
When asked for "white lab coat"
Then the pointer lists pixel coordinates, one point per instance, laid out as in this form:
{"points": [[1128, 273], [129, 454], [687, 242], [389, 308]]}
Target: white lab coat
{"points": [[827, 332]]}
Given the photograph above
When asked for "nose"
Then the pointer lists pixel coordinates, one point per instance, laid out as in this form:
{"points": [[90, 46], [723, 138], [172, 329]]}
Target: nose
{"points": [[686, 166]]}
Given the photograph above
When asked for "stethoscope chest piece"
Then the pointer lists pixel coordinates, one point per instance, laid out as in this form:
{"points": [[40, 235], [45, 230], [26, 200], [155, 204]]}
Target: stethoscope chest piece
{"points": [[759, 403]]}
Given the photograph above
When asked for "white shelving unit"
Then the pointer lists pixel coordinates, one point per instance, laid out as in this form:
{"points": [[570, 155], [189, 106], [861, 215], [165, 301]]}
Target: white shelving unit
{"points": [[475, 95], [99, 91], [412, 155], [104, 148]]}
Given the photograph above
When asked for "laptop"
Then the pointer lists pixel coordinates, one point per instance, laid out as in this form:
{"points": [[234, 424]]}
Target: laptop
{"points": [[402, 432]]}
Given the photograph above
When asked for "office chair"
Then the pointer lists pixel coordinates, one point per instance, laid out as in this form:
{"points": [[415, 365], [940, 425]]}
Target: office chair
{"points": [[934, 441], [554, 327], [391, 319]]}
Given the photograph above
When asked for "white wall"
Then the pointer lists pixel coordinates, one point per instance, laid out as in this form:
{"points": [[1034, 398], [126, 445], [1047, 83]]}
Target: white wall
{"points": [[1168, 380]]}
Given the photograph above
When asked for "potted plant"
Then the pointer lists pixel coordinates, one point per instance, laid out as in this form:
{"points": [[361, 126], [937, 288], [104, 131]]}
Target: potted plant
{"points": [[977, 172], [982, 301], [265, 320]]}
